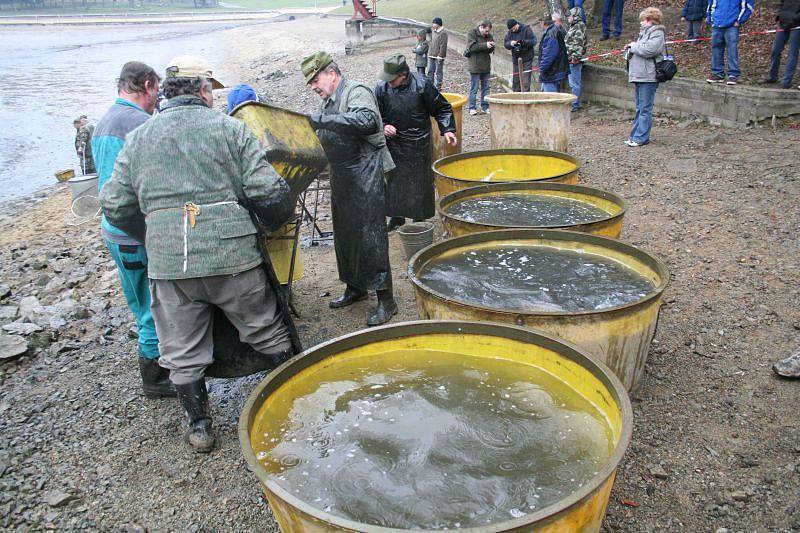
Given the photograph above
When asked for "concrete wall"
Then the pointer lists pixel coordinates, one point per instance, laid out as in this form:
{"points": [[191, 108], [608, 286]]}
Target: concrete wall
{"points": [[720, 104]]}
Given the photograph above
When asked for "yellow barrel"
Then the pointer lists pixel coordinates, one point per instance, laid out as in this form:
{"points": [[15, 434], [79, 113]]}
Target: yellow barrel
{"points": [[280, 245], [540, 121], [619, 336], [610, 226], [581, 510], [469, 169], [440, 148]]}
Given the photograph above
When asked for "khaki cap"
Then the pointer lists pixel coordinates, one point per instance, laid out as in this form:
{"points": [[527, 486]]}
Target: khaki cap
{"points": [[314, 64], [393, 66], [191, 67]]}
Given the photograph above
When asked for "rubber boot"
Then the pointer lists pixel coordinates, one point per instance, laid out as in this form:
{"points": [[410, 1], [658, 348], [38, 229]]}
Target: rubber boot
{"points": [[155, 380], [351, 295], [194, 398], [394, 223], [386, 309]]}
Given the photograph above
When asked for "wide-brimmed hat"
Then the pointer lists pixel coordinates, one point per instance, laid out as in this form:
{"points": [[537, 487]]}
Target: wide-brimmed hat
{"points": [[192, 67]]}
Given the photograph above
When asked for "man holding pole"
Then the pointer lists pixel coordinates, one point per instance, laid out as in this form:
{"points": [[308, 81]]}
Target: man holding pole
{"points": [[522, 43]]}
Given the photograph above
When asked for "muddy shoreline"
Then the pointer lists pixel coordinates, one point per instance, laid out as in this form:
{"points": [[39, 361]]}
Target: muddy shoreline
{"points": [[715, 444]]}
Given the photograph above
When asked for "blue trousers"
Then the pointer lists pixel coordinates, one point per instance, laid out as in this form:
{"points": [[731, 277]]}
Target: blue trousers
{"points": [[483, 79], [577, 3], [616, 6], [781, 38], [575, 72], [436, 72], [643, 122], [722, 39], [550, 87], [132, 269]]}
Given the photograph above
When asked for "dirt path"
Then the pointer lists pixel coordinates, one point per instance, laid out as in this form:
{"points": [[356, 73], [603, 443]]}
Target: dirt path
{"points": [[715, 444]]}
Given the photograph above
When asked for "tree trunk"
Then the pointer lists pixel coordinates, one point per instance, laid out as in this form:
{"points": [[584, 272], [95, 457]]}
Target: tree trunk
{"points": [[555, 6]]}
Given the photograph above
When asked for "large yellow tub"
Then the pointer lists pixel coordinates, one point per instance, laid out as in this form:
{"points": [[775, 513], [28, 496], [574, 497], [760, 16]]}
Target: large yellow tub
{"points": [[439, 147], [618, 336], [609, 226], [469, 169], [581, 510], [531, 120]]}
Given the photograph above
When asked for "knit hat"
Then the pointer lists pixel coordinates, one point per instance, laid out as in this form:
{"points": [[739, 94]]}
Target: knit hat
{"points": [[240, 94], [438, 20], [511, 23]]}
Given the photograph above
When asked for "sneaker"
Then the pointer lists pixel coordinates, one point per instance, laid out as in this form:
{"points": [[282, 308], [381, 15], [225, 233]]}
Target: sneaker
{"points": [[732, 80], [632, 144], [473, 112], [715, 78]]}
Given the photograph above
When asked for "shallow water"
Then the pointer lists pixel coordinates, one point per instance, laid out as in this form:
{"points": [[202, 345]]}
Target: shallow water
{"points": [[535, 278], [437, 440], [526, 210]]}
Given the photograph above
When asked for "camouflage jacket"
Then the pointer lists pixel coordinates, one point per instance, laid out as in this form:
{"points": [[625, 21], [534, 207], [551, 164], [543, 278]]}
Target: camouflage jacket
{"points": [[190, 171], [575, 41], [83, 148]]}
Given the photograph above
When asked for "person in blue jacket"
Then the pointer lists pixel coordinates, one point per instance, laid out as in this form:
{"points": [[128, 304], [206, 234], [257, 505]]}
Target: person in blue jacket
{"points": [[726, 17], [137, 89], [553, 61], [693, 13]]}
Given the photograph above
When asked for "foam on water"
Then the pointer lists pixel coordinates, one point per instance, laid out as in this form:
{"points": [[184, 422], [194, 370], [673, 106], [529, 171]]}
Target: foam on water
{"points": [[535, 278], [526, 210], [436, 441]]}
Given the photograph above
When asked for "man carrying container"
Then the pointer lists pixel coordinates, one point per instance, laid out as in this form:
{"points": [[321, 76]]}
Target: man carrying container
{"points": [[407, 102], [349, 126], [137, 89], [191, 178]]}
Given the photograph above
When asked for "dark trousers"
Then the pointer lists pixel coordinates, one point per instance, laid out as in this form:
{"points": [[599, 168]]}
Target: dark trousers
{"points": [[781, 38], [525, 77], [421, 70], [616, 6]]}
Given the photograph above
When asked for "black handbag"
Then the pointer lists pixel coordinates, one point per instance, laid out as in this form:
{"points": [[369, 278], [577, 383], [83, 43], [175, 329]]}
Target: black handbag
{"points": [[467, 53], [666, 68]]}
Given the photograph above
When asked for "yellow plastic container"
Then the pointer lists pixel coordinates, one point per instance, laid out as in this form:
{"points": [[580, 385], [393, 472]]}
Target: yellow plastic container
{"points": [[438, 145], [610, 226], [582, 510], [539, 121], [469, 169], [618, 336], [279, 246]]}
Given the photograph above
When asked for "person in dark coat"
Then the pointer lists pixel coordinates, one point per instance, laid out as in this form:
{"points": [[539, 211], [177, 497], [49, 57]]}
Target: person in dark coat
{"points": [[522, 43], [480, 45], [407, 101], [788, 19], [693, 13], [421, 52], [553, 60], [349, 126]]}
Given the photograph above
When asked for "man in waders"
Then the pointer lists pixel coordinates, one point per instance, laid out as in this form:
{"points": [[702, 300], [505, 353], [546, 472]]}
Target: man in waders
{"points": [[349, 127], [407, 101], [190, 177], [137, 89]]}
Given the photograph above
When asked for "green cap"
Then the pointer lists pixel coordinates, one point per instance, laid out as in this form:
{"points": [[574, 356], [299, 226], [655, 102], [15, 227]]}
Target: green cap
{"points": [[314, 64], [393, 66]]}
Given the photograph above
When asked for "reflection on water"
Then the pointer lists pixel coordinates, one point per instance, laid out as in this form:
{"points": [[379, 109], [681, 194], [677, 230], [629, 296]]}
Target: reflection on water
{"points": [[439, 440], [526, 210], [52, 75]]}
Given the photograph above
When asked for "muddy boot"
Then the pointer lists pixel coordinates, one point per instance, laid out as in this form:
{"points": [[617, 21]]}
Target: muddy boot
{"points": [[386, 309], [351, 295], [394, 223], [194, 398], [155, 380], [789, 367]]}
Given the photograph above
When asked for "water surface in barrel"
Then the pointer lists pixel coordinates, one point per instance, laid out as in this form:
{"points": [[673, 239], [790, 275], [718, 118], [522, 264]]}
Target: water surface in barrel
{"points": [[534, 278], [526, 210], [419, 439]]}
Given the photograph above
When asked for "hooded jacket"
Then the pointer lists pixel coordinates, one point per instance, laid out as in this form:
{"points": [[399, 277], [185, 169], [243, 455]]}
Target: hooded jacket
{"points": [[725, 13], [694, 9], [643, 54], [789, 14], [553, 63], [576, 41]]}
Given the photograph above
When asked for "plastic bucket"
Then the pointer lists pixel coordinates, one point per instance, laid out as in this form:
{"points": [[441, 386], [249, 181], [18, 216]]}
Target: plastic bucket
{"points": [[415, 237]]}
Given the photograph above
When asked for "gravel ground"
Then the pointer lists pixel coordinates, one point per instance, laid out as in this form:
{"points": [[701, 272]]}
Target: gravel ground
{"points": [[715, 446]]}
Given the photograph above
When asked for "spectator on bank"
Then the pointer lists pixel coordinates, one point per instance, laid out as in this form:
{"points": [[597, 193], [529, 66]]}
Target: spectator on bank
{"points": [[693, 13], [522, 43], [480, 45], [788, 19], [617, 7], [83, 144], [437, 52], [642, 56], [421, 52], [726, 18], [576, 43], [553, 62]]}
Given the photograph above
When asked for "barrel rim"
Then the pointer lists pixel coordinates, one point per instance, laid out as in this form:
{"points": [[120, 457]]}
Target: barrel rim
{"points": [[508, 98], [505, 151], [84, 177], [460, 100], [462, 194], [314, 355], [656, 264]]}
